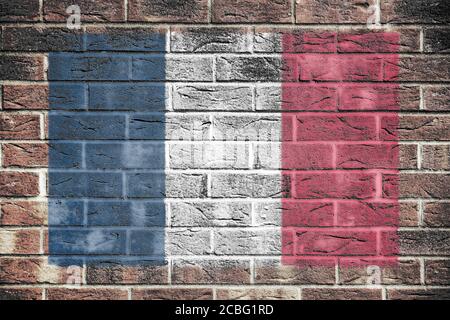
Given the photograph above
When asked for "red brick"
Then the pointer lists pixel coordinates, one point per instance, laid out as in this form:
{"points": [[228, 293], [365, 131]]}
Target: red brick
{"points": [[367, 156], [436, 157], [409, 216], [21, 67], [339, 185], [367, 214], [296, 271], [335, 67], [98, 273], [19, 11], [379, 97], [86, 294], [408, 156], [23, 241], [20, 293], [437, 98], [91, 10], [19, 126], [333, 11], [25, 155], [418, 294], [436, 272], [307, 156], [379, 41], [23, 213], [232, 11], [25, 97], [307, 214], [335, 242], [168, 11], [437, 214], [19, 184], [392, 272], [340, 294], [172, 294], [336, 127], [257, 294]]}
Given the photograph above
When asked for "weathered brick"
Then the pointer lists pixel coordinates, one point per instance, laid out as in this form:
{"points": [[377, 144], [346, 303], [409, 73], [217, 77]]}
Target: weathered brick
{"points": [[41, 39], [208, 98], [417, 242], [340, 185], [19, 184], [20, 293], [436, 272], [86, 127], [23, 213], [437, 39], [126, 39], [297, 97], [25, 155], [422, 185], [84, 184], [209, 214], [19, 97], [86, 294], [25, 241], [367, 214], [418, 294], [378, 41], [211, 271], [408, 156], [294, 40], [340, 294], [257, 294], [294, 213], [91, 10], [436, 157], [168, 11], [184, 241], [293, 156], [414, 11], [89, 66], [22, 67], [213, 155], [417, 68], [437, 214], [247, 241], [19, 11], [159, 185], [142, 97], [272, 271], [425, 128], [254, 185], [333, 11], [335, 127], [252, 11], [437, 98], [19, 126], [250, 128], [65, 155], [170, 127], [250, 68], [216, 39], [358, 272], [172, 294], [367, 156], [126, 272], [125, 155], [409, 216]]}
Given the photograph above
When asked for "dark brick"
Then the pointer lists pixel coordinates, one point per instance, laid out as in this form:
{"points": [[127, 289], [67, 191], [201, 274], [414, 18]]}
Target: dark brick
{"points": [[437, 272], [20, 293], [249, 69], [415, 11], [25, 97], [417, 68], [419, 242], [436, 157], [19, 10], [437, 39], [341, 294], [91, 10], [64, 155], [172, 294], [333, 11], [234, 11], [41, 39], [437, 214], [86, 294], [21, 67], [191, 11], [418, 294], [437, 98]]}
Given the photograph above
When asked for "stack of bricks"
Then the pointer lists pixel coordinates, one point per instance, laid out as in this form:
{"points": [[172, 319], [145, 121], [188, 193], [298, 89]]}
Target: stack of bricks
{"points": [[276, 121]]}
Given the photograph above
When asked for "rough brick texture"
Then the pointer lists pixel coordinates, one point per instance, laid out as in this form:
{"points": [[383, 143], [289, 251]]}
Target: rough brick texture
{"points": [[301, 148]]}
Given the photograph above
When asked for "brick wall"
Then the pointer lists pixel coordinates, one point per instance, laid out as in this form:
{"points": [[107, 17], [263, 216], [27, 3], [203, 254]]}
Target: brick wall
{"points": [[223, 108]]}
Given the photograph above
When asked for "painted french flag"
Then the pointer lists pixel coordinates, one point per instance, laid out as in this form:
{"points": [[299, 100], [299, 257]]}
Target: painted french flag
{"points": [[313, 160]]}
